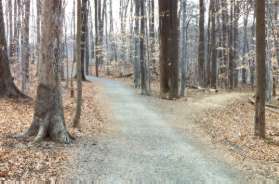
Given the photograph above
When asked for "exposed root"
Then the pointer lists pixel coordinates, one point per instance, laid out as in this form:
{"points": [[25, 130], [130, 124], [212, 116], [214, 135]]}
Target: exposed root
{"points": [[41, 135], [32, 131]]}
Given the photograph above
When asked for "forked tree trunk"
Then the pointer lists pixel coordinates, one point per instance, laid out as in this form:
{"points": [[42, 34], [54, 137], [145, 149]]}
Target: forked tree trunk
{"points": [[48, 120], [7, 86]]}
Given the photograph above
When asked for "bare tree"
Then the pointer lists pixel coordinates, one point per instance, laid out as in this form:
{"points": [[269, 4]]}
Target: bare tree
{"points": [[48, 119]]}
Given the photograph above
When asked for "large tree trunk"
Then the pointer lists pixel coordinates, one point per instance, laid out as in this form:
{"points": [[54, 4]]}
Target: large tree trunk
{"points": [[7, 86], [168, 49], [48, 120], [260, 69]]}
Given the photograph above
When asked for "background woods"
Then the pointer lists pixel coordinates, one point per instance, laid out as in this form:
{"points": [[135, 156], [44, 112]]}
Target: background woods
{"points": [[55, 54]]}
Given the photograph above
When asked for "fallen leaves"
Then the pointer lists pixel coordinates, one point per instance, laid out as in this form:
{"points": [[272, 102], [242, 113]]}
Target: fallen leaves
{"points": [[19, 159], [235, 124]]}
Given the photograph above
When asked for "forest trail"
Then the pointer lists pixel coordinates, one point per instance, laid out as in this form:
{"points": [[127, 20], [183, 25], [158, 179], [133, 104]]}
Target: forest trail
{"points": [[146, 149]]}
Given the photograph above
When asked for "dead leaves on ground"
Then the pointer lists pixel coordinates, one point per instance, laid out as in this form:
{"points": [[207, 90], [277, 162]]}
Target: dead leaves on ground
{"points": [[234, 126], [19, 159]]}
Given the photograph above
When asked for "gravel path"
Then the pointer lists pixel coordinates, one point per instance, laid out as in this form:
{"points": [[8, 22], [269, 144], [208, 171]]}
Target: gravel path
{"points": [[146, 149]]}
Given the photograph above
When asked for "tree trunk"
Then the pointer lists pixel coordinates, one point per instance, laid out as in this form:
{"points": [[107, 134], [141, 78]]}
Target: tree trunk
{"points": [[97, 34], [136, 40], [84, 20], [143, 68], [25, 50], [184, 37], [10, 13], [213, 54], [7, 86], [168, 49], [260, 69], [48, 119], [201, 55], [39, 5], [79, 45]]}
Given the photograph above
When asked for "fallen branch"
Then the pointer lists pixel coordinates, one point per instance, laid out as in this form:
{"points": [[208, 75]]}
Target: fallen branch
{"points": [[269, 107], [203, 89], [126, 75]]}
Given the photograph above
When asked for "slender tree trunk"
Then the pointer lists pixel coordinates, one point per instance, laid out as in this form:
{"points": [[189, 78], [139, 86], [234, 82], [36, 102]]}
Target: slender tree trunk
{"points": [[79, 45], [25, 49], [143, 68], [84, 30], [10, 12], [97, 34], [38, 32], [260, 69], [136, 42], [213, 54], [201, 55]]}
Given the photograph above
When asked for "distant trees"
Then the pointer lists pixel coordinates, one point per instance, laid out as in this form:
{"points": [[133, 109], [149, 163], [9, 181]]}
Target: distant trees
{"points": [[168, 48], [260, 68], [7, 86]]}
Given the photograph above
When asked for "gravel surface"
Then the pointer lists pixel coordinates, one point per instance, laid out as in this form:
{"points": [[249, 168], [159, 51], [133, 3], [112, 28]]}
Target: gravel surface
{"points": [[146, 149]]}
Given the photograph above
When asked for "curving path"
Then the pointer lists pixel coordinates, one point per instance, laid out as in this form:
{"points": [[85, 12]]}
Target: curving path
{"points": [[146, 149]]}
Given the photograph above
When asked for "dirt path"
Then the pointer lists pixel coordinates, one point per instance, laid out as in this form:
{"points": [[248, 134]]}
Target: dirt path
{"points": [[146, 149]]}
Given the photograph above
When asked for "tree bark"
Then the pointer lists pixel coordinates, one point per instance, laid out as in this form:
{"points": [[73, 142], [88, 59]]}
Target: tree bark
{"points": [[48, 119], [7, 86], [143, 68], [136, 42], [213, 54], [25, 50], [201, 55], [84, 23], [79, 45], [260, 69], [168, 49]]}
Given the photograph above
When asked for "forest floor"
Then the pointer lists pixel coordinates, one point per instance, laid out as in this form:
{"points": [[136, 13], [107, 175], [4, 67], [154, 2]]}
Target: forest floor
{"points": [[155, 140], [20, 160], [225, 121], [126, 136]]}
